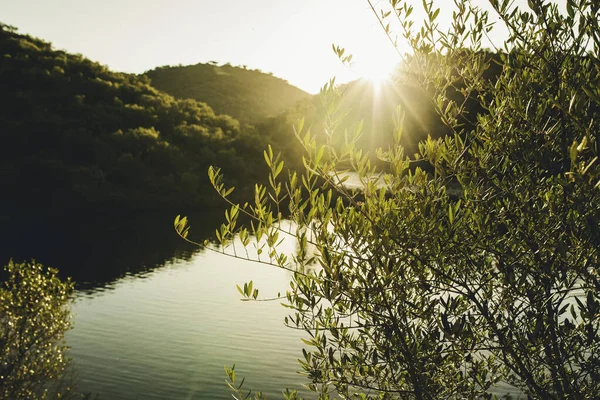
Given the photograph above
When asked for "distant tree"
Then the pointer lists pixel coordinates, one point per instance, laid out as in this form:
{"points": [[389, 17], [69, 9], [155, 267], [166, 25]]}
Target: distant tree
{"points": [[34, 316], [441, 283], [7, 27]]}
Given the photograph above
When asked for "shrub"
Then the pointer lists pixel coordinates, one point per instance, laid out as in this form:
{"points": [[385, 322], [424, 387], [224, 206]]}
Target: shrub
{"points": [[34, 316], [482, 269]]}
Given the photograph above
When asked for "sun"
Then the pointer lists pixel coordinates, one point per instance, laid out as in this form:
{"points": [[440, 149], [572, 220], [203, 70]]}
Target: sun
{"points": [[377, 71]]}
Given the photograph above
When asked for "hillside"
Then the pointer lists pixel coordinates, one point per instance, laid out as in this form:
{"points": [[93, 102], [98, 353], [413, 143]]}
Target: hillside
{"points": [[247, 95], [75, 135]]}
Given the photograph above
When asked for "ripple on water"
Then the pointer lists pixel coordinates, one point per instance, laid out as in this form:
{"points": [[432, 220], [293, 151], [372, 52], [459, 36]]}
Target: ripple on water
{"points": [[169, 334]]}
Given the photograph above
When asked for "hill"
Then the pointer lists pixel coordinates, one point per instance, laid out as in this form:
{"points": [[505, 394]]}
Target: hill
{"points": [[247, 95], [75, 135]]}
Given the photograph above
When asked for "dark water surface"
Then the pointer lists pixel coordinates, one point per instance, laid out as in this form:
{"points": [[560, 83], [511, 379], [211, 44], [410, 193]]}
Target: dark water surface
{"points": [[156, 318]]}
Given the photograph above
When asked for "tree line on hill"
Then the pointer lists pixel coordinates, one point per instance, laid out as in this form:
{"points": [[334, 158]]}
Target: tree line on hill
{"points": [[247, 95], [77, 135]]}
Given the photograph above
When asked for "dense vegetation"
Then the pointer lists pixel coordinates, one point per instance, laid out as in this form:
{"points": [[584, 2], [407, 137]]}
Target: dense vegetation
{"points": [[76, 135], [34, 311], [246, 94], [423, 293]]}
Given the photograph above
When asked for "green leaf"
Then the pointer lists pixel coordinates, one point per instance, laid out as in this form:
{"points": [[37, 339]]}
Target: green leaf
{"points": [[300, 125], [573, 152], [570, 9], [267, 158]]}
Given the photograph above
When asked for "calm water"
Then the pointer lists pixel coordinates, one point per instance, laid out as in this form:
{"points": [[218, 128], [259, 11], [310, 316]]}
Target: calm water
{"points": [[157, 319]]}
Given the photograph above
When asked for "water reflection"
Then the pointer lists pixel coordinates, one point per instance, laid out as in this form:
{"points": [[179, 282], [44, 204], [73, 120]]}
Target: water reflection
{"points": [[168, 335], [97, 250], [155, 317]]}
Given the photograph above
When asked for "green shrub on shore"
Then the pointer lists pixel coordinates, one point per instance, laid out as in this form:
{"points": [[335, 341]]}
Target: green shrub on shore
{"points": [[34, 316]]}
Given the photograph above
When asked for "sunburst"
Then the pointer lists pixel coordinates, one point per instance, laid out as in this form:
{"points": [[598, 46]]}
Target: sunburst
{"points": [[377, 70]]}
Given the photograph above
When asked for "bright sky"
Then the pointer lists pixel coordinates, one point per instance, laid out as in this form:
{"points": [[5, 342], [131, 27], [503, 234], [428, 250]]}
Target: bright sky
{"points": [[290, 38]]}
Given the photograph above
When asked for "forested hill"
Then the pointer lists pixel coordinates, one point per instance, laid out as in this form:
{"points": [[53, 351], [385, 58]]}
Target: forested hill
{"points": [[245, 94], [77, 135]]}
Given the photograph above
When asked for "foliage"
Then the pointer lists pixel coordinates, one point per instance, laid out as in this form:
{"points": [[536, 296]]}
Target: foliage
{"points": [[250, 96], [278, 130], [441, 283], [373, 107], [34, 311], [75, 134]]}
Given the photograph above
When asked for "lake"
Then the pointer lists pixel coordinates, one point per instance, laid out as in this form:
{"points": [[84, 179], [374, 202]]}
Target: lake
{"points": [[156, 318]]}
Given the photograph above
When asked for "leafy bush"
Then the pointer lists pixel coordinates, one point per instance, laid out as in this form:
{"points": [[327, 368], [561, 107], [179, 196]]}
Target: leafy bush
{"points": [[34, 316], [442, 283]]}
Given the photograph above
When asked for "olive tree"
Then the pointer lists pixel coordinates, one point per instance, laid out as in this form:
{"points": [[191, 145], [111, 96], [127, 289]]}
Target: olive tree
{"points": [[34, 316], [442, 282]]}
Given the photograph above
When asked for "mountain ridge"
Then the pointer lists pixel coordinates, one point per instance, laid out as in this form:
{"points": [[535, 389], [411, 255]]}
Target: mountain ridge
{"points": [[249, 95]]}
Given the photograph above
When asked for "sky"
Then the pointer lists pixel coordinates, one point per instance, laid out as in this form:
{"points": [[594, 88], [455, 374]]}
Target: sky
{"points": [[290, 38]]}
